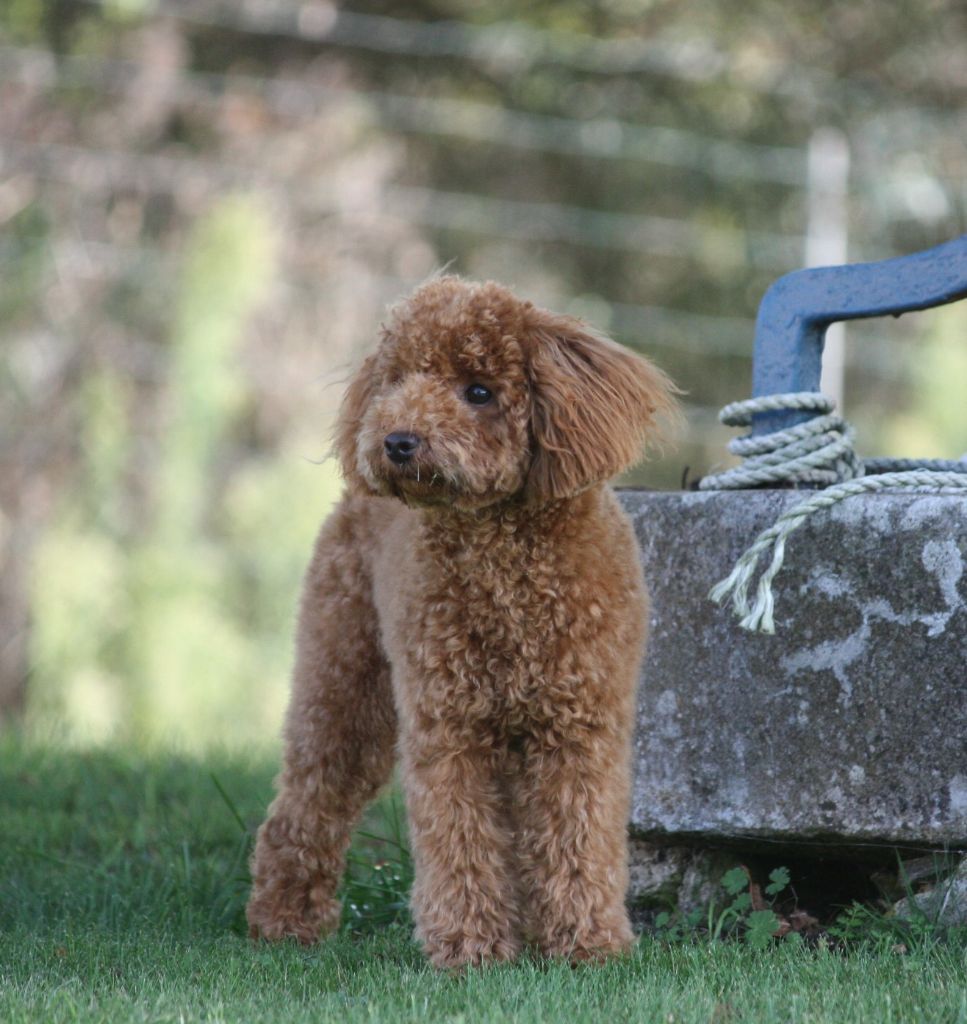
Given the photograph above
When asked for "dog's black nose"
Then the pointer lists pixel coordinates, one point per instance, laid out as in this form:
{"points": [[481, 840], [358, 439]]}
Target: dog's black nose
{"points": [[400, 446]]}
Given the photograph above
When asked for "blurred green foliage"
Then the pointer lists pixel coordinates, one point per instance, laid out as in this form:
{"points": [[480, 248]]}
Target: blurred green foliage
{"points": [[161, 336], [177, 629], [934, 425]]}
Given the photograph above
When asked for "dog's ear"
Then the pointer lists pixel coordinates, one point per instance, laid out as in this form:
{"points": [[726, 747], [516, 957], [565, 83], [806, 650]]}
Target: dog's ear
{"points": [[345, 444], [594, 404]]}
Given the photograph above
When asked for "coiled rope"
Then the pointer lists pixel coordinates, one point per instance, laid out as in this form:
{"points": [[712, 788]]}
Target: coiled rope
{"points": [[818, 452]]}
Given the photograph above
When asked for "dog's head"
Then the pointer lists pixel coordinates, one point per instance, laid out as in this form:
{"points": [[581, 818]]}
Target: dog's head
{"points": [[474, 397]]}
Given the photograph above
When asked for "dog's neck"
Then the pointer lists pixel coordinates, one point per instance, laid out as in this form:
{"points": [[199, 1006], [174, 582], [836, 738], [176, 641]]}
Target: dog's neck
{"points": [[510, 527]]}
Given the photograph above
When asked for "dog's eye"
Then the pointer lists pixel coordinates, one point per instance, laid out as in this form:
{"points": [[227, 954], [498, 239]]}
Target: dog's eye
{"points": [[477, 394]]}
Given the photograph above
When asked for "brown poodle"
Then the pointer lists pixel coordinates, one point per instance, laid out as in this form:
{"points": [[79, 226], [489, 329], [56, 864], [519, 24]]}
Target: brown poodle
{"points": [[475, 607]]}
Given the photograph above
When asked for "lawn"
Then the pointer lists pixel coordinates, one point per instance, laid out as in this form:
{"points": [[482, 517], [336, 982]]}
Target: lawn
{"points": [[122, 889]]}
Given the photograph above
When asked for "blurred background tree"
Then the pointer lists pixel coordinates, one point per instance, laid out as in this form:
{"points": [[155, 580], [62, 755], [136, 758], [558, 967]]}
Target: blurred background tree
{"points": [[205, 207]]}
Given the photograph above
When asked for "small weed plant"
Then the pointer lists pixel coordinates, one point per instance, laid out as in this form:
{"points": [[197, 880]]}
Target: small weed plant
{"points": [[742, 909], [379, 870]]}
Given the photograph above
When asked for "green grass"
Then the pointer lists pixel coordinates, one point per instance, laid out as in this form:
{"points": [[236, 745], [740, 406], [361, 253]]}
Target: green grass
{"points": [[122, 889]]}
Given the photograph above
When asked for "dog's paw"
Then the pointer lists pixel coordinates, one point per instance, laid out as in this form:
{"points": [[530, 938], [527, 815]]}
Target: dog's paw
{"points": [[307, 922], [459, 951], [589, 946]]}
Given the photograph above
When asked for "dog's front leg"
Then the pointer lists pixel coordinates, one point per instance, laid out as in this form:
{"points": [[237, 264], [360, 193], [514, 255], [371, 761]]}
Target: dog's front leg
{"points": [[340, 733], [573, 810], [464, 896]]}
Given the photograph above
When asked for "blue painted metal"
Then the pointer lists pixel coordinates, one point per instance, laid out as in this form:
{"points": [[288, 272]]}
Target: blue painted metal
{"points": [[797, 309]]}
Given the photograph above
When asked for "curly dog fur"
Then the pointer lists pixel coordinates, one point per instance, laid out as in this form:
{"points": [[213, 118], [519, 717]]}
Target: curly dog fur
{"points": [[475, 607]]}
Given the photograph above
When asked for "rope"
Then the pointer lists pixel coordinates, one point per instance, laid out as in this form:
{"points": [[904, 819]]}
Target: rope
{"points": [[819, 451]]}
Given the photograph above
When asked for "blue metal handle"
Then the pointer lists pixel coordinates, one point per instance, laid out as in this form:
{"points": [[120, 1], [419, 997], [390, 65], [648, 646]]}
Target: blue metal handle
{"points": [[797, 309]]}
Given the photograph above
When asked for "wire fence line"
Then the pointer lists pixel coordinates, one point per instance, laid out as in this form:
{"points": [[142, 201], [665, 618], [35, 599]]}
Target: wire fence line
{"points": [[558, 222], [602, 138], [104, 172], [664, 326], [598, 138], [101, 171], [646, 326], [514, 46], [145, 360]]}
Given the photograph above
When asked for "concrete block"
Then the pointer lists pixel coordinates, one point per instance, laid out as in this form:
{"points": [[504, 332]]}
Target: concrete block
{"points": [[849, 724]]}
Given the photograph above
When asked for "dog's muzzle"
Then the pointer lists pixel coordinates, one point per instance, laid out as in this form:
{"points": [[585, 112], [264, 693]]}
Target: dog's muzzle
{"points": [[400, 447]]}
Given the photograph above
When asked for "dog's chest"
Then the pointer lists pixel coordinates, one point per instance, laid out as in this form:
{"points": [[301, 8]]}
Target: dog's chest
{"points": [[490, 628]]}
